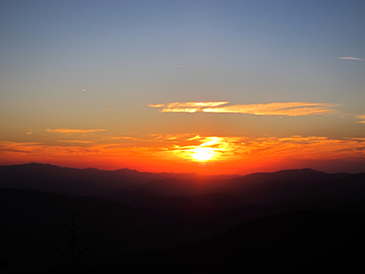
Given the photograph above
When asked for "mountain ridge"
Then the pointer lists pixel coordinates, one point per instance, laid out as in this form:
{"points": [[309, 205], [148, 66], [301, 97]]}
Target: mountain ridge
{"points": [[140, 188], [165, 213]]}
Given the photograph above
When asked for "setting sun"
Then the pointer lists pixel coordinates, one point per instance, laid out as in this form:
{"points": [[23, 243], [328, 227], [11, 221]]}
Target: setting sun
{"points": [[203, 154]]}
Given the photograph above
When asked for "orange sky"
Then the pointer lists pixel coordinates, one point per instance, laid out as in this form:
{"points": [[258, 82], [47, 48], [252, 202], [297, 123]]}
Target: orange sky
{"points": [[183, 86], [185, 152]]}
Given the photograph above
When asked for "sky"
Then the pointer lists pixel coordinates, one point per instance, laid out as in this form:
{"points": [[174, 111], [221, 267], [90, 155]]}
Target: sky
{"points": [[214, 87]]}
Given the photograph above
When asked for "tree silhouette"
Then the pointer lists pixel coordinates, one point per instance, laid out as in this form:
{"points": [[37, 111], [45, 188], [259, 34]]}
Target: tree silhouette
{"points": [[72, 253]]}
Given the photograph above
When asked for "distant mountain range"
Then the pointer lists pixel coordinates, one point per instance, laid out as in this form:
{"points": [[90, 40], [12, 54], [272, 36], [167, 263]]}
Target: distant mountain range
{"points": [[289, 221], [86, 182], [173, 190]]}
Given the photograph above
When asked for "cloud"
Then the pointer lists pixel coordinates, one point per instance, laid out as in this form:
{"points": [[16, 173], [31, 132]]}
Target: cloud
{"points": [[281, 109], [68, 130], [190, 107], [18, 147], [270, 109], [311, 147], [185, 148], [237, 147], [351, 58], [75, 141], [206, 148], [362, 117], [156, 105], [121, 138], [197, 137]]}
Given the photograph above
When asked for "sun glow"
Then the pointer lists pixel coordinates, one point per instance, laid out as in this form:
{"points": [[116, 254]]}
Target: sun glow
{"points": [[203, 154], [203, 149]]}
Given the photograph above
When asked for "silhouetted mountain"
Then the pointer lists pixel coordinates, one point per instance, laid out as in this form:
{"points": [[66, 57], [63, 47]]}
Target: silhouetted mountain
{"points": [[210, 200], [291, 242], [176, 191], [131, 196], [70, 181], [299, 176], [149, 176], [260, 188], [353, 185], [178, 187], [33, 221], [85, 182]]}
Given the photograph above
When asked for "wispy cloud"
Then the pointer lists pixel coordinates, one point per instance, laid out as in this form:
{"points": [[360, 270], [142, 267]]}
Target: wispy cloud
{"points": [[75, 141], [361, 119], [18, 147], [281, 109], [69, 130], [190, 107], [122, 138], [270, 109], [351, 58], [156, 105]]}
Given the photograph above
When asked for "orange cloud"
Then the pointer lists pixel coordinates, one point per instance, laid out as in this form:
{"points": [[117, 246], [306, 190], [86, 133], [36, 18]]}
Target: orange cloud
{"points": [[189, 104], [293, 147], [281, 109], [270, 109], [309, 148], [362, 117], [207, 148], [122, 138], [75, 141], [224, 147], [18, 147], [182, 150], [190, 107], [68, 130]]}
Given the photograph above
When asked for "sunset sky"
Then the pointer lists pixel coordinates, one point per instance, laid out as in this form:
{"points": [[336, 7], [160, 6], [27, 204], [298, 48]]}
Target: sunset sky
{"points": [[214, 87]]}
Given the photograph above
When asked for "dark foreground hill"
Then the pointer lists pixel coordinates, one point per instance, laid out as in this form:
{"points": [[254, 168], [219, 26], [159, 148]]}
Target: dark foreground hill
{"points": [[292, 242], [33, 221], [138, 239], [289, 221]]}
